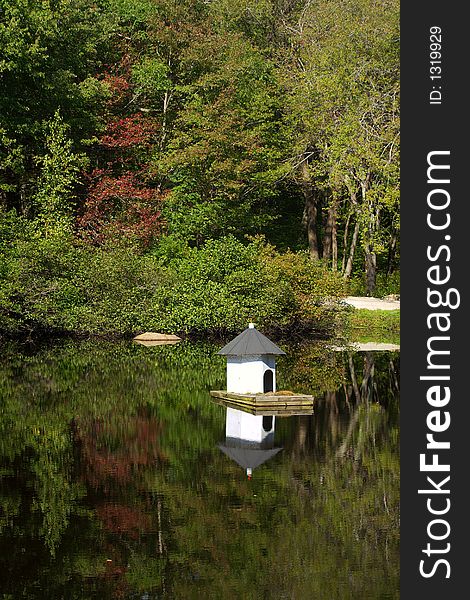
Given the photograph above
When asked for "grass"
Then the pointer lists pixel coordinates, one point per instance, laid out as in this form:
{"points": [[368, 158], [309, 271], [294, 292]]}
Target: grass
{"points": [[374, 326]]}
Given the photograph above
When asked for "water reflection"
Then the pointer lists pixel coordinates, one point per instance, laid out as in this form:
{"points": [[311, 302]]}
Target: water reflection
{"points": [[249, 439], [112, 484]]}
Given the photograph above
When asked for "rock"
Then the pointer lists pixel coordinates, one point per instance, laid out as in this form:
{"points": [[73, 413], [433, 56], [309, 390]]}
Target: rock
{"points": [[150, 336]]}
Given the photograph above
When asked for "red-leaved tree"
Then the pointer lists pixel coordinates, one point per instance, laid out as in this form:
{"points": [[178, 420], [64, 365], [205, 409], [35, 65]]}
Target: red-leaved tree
{"points": [[122, 200]]}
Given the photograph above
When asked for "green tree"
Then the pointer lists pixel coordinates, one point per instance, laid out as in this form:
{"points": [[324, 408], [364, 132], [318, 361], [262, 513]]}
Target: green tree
{"points": [[226, 152], [49, 52], [59, 169], [344, 106], [337, 64]]}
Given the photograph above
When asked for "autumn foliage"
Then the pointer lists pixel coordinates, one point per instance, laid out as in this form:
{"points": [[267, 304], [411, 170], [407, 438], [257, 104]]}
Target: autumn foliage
{"points": [[120, 206], [112, 452], [121, 198]]}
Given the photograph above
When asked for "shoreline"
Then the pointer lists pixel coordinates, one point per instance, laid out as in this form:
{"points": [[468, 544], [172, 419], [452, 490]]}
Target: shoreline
{"points": [[376, 316]]}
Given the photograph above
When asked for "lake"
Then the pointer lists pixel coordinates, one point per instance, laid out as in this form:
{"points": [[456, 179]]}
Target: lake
{"points": [[114, 482]]}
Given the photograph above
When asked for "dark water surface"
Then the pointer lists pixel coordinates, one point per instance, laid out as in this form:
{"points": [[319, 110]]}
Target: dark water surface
{"points": [[113, 485]]}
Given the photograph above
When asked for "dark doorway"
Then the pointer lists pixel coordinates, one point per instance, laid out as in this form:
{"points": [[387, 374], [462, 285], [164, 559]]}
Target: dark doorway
{"points": [[268, 383], [267, 422]]}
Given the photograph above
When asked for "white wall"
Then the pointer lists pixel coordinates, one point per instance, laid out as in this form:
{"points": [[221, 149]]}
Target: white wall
{"points": [[245, 427], [245, 373]]}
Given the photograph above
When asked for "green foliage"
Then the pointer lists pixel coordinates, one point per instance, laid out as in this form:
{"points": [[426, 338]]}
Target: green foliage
{"points": [[54, 283], [59, 174], [386, 285], [225, 153], [50, 50], [314, 287], [151, 77], [198, 122], [373, 325], [215, 287], [224, 284], [344, 117]]}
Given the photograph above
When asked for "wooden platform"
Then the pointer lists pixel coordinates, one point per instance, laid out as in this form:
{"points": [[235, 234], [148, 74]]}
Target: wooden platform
{"points": [[265, 401], [278, 411]]}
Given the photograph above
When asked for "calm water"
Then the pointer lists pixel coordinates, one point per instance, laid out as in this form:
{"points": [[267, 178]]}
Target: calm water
{"points": [[113, 484]]}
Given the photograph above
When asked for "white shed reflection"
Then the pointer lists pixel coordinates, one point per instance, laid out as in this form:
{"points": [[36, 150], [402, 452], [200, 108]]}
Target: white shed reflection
{"points": [[249, 439]]}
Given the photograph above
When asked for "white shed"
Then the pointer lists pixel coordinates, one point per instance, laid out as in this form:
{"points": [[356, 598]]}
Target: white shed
{"points": [[251, 363]]}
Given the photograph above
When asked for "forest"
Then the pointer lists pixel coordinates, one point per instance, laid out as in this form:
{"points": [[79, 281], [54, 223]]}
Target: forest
{"points": [[189, 165]]}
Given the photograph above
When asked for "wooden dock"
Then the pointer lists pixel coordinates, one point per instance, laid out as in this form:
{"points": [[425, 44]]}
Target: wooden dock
{"points": [[274, 402], [279, 411]]}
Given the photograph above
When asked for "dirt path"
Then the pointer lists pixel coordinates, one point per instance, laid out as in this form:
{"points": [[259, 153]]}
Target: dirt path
{"points": [[367, 347], [372, 303]]}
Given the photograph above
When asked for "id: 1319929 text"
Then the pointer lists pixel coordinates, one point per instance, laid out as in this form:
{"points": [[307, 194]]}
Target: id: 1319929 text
{"points": [[435, 64]]}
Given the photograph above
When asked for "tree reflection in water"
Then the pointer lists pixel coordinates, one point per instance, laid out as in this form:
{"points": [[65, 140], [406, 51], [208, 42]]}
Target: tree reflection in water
{"points": [[112, 485]]}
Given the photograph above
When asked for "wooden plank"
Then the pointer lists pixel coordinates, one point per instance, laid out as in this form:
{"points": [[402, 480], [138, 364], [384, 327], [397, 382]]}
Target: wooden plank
{"points": [[265, 401], [263, 398], [157, 342], [278, 411]]}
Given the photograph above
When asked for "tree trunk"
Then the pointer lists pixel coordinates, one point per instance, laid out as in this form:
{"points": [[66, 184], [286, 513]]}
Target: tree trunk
{"points": [[371, 270], [352, 251], [345, 243], [334, 245], [372, 226], [392, 246], [166, 103], [312, 234], [311, 200], [329, 243]]}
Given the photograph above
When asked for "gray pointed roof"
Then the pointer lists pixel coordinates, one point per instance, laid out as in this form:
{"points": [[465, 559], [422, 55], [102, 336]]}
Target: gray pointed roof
{"points": [[249, 458], [249, 343]]}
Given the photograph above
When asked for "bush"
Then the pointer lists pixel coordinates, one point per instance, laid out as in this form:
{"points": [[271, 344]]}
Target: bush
{"points": [[385, 285], [217, 287], [53, 284], [311, 287], [56, 284], [225, 284]]}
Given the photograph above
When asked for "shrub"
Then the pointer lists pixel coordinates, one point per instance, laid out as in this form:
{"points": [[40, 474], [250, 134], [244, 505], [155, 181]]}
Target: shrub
{"points": [[225, 284], [216, 287], [385, 285], [57, 284], [311, 288]]}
